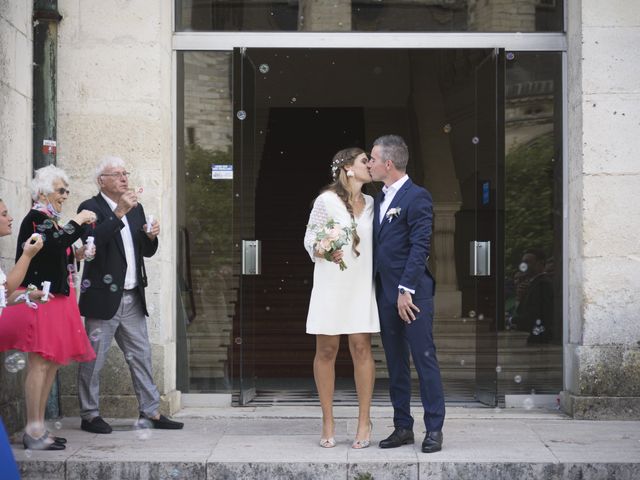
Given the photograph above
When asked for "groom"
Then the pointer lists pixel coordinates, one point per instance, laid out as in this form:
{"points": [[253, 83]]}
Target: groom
{"points": [[402, 224]]}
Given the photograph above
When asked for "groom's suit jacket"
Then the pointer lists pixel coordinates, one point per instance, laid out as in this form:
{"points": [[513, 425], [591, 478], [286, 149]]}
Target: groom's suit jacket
{"points": [[402, 243], [99, 300]]}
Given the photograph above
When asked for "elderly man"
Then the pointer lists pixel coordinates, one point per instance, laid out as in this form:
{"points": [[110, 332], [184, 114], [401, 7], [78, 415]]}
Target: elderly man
{"points": [[112, 298]]}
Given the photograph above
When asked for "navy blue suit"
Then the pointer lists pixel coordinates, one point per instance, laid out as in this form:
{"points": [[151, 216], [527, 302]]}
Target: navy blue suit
{"points": [[401, 248]]}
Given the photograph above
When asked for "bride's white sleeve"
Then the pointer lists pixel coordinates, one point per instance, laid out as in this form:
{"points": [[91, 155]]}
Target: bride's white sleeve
{"points": [[318, 216]]}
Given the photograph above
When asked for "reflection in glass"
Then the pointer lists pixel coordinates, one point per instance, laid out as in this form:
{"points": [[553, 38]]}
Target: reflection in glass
{"points": [[370, 15], [532, 335], [205, 223]]}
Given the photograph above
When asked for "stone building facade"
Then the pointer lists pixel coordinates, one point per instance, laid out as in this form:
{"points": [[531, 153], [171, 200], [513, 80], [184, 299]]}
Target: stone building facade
{"points": [[116, 95]]}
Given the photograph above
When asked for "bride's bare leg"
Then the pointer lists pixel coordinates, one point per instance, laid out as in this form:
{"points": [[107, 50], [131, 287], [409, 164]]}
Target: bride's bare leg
{"points": [[364, 373], [324, 372]]}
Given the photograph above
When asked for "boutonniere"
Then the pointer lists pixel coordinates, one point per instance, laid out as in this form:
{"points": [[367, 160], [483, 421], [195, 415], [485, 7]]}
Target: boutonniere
{"points": [[393, 213]]}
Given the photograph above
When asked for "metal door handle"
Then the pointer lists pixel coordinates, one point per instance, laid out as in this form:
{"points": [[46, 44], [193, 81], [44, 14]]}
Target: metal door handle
{"points": [[251, 257], [480, 258]]}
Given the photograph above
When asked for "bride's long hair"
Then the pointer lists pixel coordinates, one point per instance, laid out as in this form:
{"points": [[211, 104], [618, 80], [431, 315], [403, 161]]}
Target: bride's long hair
{"points": [[340, 185]]}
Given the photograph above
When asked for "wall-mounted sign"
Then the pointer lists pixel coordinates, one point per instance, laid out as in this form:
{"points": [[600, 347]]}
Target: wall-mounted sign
{"points": [[222, 172], [49, 147]]}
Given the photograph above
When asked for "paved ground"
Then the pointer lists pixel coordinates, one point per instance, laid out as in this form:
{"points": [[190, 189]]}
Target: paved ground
{"points": [[282, 443]]}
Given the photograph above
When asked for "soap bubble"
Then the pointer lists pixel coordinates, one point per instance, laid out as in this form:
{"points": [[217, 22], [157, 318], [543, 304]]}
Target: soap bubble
{"points": [[15, 362], [472, 313], [86, 283], [27, 453], [462, 362], [143, 428], [47, 223], [528, 403], [447, 128], [57, 425], [107, 279], [70, 229], [517, 379], [71, 267], [128, 356], [264, 68], [113, 287], [475, 140], [523, 267], [510, 55], [498, 369], [241, 114], [94, 336]]}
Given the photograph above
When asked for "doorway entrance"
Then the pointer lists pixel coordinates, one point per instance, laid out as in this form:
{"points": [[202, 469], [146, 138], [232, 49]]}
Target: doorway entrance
{"points": [[260, 127], [294, 110]]}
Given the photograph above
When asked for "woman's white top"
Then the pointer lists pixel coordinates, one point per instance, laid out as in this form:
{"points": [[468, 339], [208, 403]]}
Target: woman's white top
{"points": [[342, 301]]}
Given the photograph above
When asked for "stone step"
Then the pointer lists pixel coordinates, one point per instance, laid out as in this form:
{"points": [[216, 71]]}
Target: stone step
{"points": [[276, 443]]}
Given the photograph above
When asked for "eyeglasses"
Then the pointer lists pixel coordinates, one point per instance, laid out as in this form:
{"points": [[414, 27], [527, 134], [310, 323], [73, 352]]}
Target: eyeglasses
{"points": [[116, 174], [62, 191]]}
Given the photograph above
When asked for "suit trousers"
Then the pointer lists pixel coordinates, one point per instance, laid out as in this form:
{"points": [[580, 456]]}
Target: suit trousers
{"points": [[400, 338], [129, 327]]}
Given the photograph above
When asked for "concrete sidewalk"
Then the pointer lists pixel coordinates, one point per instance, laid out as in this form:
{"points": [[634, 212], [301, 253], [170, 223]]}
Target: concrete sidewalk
{"points": [[282, 443]]}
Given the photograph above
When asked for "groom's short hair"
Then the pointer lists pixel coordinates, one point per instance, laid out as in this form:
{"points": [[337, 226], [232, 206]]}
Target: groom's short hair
{"points": [[395, 149]]}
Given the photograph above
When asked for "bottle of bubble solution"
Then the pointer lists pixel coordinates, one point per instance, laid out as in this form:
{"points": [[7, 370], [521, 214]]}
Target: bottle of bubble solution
{"points": [[3, 295], [149, 223], [90, 249]]}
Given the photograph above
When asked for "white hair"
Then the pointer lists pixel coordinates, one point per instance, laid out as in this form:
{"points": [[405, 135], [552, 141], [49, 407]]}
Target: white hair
{"points": [[43, 180], [107, 162]]}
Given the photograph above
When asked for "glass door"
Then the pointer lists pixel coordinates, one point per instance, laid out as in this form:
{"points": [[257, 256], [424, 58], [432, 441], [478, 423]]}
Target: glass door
{"points": [[293, 109], [485, 250], [248, 247]]}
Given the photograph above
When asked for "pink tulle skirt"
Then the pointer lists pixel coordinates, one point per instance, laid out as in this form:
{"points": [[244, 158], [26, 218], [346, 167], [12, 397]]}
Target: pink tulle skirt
{"points": [[54, 330]]}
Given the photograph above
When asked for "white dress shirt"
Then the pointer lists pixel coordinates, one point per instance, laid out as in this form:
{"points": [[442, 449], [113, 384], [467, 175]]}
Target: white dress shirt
{"points": [[130, 279], [389, 194]]}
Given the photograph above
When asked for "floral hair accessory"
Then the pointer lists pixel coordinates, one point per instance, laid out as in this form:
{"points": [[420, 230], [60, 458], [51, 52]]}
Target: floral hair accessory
{"points": [[335, 166], [393, 213]]}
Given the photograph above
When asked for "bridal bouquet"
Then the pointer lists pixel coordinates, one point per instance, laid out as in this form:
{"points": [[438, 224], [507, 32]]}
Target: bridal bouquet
{"points": [[330, 237]]}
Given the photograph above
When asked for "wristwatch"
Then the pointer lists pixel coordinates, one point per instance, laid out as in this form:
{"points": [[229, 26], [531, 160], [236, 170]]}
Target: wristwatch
{"points": [[402, 291]]}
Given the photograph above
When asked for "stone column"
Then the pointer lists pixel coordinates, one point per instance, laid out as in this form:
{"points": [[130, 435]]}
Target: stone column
{"points": [[114, 97], [442, 262], [602, 333], [324, 16], [439, 177]]}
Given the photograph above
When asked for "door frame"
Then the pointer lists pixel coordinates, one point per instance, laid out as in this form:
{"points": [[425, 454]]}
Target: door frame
{"points": [[540, 42]]}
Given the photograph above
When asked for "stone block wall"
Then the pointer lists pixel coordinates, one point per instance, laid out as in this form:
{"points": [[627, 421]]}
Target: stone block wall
{"points": [[15, 163], [114, 98], [602, 354]]}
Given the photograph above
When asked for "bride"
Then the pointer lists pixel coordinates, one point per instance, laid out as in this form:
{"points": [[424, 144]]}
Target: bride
{"points": [[343, 300]]}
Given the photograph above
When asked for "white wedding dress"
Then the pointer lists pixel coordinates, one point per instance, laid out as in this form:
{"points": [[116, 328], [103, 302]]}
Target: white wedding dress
{"points": [[342, 301]]}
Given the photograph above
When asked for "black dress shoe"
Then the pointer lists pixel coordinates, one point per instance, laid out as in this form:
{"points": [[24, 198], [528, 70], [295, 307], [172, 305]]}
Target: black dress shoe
{"points": [[163, 423], [42, 443], [96, 425], [432, 442], [400, 436], [60, 440]]}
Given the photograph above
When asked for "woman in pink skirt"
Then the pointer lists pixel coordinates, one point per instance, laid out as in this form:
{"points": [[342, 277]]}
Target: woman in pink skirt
{"points": [[52, 333]]}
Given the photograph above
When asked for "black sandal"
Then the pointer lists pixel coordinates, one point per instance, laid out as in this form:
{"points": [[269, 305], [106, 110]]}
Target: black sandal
{"points": [[42, 443]]}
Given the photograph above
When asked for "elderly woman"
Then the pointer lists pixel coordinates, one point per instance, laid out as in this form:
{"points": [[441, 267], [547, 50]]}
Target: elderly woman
{"points": [[51, 333]]}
